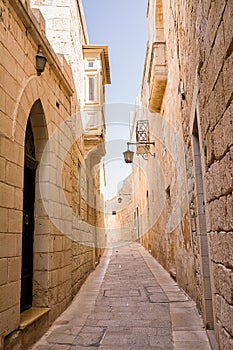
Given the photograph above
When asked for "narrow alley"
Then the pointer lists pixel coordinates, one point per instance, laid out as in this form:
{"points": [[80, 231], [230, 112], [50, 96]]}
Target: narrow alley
{"points": [[116, 148], [128, 302]]}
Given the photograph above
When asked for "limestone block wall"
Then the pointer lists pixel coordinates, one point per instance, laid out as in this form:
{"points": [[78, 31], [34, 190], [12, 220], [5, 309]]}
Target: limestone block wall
{"points": [[66, 31], [20, 89], [164, 211], [197, 104], [60, 262], [208, 82]]}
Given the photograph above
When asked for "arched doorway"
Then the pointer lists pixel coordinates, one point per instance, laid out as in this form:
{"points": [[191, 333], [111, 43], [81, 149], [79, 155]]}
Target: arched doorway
{"points": [[36, 228], [30, 165]]}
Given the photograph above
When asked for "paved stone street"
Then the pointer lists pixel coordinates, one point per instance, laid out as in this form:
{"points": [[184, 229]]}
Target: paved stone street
{"points": [[128, 302]]}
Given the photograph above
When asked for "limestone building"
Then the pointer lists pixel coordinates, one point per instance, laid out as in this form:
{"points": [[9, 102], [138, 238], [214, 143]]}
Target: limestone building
{"points": [[52, 134], [184, 206], [120, 227]]}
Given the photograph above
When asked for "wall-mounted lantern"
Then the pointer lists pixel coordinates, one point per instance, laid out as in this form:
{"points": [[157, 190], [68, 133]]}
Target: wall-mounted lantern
{"points": [[120, 196], [40, 62], [143, 143], [128, 155]]}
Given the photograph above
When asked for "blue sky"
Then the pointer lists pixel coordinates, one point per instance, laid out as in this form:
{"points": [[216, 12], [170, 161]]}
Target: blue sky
{"points": [[122, 25]]}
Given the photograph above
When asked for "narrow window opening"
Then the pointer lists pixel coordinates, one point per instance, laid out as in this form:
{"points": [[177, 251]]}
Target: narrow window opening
{"points": [[79, 190], [91, 88]]}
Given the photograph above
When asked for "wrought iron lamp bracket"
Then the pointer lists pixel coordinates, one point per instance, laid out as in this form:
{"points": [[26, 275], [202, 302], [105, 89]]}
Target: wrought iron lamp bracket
{"points": [[143, 144]]}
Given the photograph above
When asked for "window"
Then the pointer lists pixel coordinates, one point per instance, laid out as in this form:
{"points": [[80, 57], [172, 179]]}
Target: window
{"points": [[90, 64], [91, 81], [79, 190], [87, 201], [134, 219]]}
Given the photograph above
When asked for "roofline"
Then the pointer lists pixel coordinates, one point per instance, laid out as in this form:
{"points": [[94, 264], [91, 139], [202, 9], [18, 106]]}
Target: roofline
{"points": [[28, 19], [83, 21]]}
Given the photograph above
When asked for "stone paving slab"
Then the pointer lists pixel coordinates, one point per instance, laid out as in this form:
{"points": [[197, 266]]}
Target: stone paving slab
{"points": [[128, 302]]}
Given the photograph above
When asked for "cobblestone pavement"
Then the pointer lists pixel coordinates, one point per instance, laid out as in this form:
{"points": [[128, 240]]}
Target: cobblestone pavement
{"points": [[128, 302]]}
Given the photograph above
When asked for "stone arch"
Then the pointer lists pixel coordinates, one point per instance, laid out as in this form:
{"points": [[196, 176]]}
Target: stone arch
{"points": [[42, 222], [33, 104], [34, 89]]}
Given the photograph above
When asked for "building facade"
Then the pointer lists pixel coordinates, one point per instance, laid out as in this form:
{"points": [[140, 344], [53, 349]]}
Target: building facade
{"points": [[51, 173], [120, 226], [184, 207]]}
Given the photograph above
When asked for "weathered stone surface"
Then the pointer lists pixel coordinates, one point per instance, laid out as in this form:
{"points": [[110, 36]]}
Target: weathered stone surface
{"points": [[220, 218], [224, 313], [223, 278], [227, 78], [223, 133], [221, 248], [218, 180], [48, 100], [225, 340], [14, 341]]}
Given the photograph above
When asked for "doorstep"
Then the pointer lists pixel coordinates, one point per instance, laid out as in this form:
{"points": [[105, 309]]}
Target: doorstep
{"points": [[31, 315], [34, 322]]}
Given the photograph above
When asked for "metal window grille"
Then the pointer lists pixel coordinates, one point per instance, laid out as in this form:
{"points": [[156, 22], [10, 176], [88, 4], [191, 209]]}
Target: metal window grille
{"points": [[142, 131]]}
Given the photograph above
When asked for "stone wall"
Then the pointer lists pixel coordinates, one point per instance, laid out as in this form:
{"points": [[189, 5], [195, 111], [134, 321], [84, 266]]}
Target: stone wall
{"points": [[193, 135], [164, 213], [208, 84], [61, 262], [66, 32]]}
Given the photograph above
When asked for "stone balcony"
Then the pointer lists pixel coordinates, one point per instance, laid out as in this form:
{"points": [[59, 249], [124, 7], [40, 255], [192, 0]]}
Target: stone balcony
{"points": [[96, 76], [94, 126], [157, 77]]}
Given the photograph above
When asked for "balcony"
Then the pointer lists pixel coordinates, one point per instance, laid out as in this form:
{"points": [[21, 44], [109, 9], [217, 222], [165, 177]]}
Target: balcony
{"points": [[97, 74], [93, 120], [157, 77]]}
